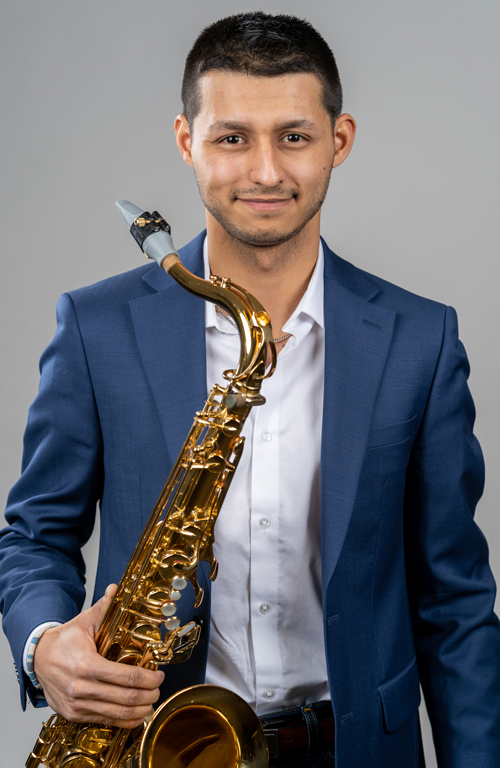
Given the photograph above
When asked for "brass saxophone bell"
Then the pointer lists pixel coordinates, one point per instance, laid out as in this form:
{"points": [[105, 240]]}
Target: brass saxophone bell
{"points": [[204, 726]]}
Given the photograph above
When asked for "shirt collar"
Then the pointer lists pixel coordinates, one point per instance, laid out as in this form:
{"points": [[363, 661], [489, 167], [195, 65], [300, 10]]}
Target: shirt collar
{"points": [[310, 309]]}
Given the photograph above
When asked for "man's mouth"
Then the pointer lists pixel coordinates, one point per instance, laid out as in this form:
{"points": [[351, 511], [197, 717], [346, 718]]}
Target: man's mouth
{"points": [[265, 204]]}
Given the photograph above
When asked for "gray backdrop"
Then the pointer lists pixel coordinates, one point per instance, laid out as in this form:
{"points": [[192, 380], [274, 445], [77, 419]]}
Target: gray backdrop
{"points": [[89, 94]]}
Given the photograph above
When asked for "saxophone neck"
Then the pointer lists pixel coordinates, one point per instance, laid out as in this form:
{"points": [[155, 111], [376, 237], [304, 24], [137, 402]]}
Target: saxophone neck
{"points": [[252, 321]]}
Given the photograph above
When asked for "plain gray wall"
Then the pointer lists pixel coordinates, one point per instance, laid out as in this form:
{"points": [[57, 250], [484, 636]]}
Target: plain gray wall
{"points": [[89, 92]]}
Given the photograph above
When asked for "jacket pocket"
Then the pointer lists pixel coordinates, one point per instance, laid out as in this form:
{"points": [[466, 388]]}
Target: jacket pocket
{"points": [[392, 433], [400, 697]]}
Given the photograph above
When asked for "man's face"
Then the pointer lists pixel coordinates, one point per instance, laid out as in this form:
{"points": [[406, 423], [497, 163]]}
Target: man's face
{"points": [[262, 150]]}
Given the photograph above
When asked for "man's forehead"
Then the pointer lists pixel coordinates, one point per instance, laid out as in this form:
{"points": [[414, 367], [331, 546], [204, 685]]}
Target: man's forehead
{"points": [[221, 79], [229, 100]]}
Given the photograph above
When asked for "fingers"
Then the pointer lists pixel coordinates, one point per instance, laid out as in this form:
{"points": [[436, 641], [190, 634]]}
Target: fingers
{"points": [[85, 699], [105, 671], [88, 712], [102, 703], [130, 698]]}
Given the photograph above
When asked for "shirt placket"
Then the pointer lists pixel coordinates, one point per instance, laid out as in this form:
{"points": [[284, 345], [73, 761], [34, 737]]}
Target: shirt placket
{"points": [[264, 538]]}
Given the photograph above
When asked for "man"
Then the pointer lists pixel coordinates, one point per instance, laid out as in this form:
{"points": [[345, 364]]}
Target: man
{"points": [[392, 584]]}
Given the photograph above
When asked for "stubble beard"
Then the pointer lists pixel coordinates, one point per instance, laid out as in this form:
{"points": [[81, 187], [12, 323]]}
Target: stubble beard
{"points": [[269, 237]]}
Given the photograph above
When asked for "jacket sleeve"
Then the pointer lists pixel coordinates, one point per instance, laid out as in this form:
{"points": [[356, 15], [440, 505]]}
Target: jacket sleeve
{"points": [[452, 591], [51, 509]]}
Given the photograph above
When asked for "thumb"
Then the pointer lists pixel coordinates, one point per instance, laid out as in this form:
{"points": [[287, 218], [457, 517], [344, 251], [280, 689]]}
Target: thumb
{"points": [[93, 616]]}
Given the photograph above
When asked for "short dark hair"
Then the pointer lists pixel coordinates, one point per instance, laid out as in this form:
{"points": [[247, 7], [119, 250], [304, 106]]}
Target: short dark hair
{"points": [[259, 44]]}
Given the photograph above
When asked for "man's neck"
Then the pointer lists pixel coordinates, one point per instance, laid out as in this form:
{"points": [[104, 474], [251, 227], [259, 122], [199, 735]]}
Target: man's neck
{"points": [[277, 276]]}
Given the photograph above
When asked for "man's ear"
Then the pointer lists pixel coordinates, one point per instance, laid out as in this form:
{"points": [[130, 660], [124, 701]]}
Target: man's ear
{"points": [[343, 137], [183, 138]]}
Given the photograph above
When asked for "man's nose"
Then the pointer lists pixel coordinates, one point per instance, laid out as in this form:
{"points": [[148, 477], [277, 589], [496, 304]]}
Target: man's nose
{"points": [[265, 166]]}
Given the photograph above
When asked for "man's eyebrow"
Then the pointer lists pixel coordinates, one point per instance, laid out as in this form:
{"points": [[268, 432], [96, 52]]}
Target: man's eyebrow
{"points": [[291, 124], [232, 125], [227, 125]]}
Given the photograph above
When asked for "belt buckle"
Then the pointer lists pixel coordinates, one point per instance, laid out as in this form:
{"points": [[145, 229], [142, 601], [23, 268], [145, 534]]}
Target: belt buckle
{"points": [[273, 742]]}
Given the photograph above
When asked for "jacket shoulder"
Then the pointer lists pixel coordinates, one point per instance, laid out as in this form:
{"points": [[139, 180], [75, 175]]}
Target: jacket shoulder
{"points": [[379, 291], [135, 283], [122, 287]]}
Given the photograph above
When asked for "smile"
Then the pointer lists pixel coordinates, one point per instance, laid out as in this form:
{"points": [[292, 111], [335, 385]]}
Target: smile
{"points": [[262, 204]]}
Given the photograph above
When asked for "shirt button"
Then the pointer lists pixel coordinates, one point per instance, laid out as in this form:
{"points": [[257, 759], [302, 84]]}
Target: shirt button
{"points": [[269, 694], [264, 523], [264, 608], [267, 437]]}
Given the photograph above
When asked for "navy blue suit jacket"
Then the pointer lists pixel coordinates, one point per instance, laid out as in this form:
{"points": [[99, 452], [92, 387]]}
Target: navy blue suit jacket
{"points": [[407, 591]]}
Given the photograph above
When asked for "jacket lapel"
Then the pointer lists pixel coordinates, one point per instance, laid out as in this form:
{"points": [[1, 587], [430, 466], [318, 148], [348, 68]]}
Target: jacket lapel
{"points": [[357, 339], [169, 327]]}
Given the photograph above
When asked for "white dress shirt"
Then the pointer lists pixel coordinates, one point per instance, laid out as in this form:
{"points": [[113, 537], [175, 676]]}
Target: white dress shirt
{"points": [[266, 640]]}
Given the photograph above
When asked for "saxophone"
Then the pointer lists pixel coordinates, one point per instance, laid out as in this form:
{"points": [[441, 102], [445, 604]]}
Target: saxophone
{"points": [[203, 725]]}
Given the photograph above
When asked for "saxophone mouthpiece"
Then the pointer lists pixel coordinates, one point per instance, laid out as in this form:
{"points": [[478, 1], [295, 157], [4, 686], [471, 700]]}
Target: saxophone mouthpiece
{"points": [[129, 211], [151, 232]]}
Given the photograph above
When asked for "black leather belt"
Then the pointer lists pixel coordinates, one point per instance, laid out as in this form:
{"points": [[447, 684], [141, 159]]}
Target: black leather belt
{"points": [[306, 731]]}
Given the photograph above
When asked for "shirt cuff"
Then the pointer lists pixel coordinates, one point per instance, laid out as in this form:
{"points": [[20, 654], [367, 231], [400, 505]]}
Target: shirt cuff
{"points": [[29, 650]]}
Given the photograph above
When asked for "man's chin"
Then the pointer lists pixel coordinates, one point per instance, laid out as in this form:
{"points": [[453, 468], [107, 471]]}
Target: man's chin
{"points": [[259, 238]]}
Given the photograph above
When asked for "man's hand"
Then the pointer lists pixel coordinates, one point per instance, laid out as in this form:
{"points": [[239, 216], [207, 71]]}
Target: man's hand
{"points": [[83, 686]]}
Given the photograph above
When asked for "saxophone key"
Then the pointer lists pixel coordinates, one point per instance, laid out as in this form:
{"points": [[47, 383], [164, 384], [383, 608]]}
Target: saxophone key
{"points": [[187, 628], [145, 633], [214, 570], [179, 583], [198, 591], [95, 739], [172, 623], [168, 609]]}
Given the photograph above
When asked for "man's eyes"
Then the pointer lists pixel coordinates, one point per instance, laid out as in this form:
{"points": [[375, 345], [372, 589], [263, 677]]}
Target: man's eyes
{"points": [[289, 138]]}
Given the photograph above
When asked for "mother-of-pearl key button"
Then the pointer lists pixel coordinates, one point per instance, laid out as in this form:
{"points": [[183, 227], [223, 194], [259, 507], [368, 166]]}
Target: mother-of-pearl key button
{"points": [[172, 623], [168, 609], [186, 628], [179, 582]]}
